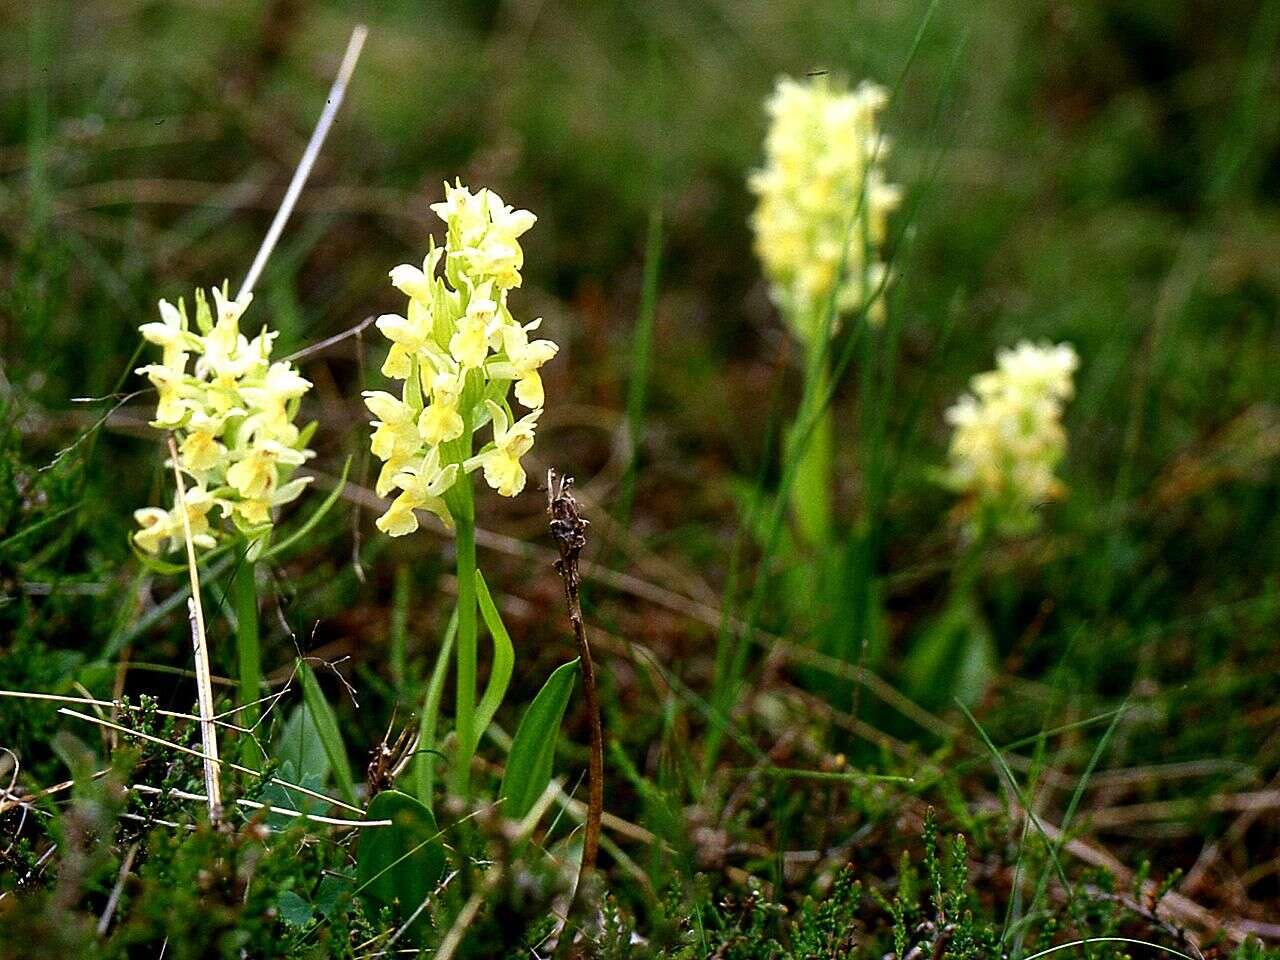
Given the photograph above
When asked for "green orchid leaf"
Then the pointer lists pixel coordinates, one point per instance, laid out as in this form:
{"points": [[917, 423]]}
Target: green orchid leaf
{"points": [[326, 727], [534, 747], [504, 658], [400, 865]]}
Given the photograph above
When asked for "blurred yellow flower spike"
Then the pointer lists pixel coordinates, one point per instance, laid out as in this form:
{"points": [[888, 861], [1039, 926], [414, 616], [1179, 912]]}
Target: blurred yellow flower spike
{"points": [[233, 416], [823, 203], [1008, 437], [459, 352]]}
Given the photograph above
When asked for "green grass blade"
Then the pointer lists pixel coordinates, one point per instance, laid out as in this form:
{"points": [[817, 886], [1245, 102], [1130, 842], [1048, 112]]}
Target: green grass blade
{"points": [[641, 361], [1028, 810], [244, 599]]}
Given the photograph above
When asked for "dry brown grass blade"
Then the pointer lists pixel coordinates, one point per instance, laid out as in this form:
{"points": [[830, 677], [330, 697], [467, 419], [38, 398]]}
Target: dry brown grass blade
{"points": [[1176, 906]]}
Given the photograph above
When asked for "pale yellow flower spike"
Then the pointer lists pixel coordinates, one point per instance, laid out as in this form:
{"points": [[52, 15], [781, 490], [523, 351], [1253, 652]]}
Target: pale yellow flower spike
{"points": [[233, 419], [1008, 436], [823, 201], [457, 344]]}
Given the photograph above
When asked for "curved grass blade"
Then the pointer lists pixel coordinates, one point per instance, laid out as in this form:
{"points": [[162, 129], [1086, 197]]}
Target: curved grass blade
{"points": [[425, 766]]}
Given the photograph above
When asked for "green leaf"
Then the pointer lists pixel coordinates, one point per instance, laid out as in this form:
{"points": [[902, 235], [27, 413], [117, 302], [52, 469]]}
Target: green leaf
{"points": [[400, 864], [955, 658], [293, 909], [327, 729], [275, 795], [300, 745], [534, 747], [312, 520], [504, 658], [333, 892]]}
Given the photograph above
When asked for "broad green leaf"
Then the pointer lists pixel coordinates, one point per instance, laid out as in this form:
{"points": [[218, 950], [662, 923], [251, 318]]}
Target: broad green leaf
{"points": [[293, 909], [504, 658], [275, 795], [534, 747], [327, 730], [333, 892], [400, 864], [300, 744]]}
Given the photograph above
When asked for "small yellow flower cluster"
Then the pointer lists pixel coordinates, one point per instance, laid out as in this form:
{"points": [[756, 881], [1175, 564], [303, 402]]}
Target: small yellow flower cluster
{"points": [[1009, 436], [232, 416], [458, 350], [823, 201]]}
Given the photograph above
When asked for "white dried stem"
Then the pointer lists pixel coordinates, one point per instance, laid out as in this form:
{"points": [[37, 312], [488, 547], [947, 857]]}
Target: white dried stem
{"points": [[332, 103], [199, 640], [68, 712]]}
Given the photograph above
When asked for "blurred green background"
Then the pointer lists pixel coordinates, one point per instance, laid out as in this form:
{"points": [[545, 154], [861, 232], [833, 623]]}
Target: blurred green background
{"points": [[1104, 173]]}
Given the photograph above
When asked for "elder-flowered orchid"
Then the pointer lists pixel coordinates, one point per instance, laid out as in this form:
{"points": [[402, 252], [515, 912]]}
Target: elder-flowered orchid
{"points": [[440, 421], [422, 487], [172, 405], [163, 530], [1008, 437], [395, 436], [511, 441], [824, 203], [232, 416], [255, 475], [408, 335], [483, 235], [171, 334], [524, 358], [271, 399], [469, 344], [459, 352]]}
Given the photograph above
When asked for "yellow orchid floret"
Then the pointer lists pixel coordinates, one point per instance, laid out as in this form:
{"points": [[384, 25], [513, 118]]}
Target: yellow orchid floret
{"points": [[422, 487], [483, 235], [1008, 436], [458, 351], [511, 441], [524, 357], [822, 216], [163, 530], [441, 422], [232, 416]]}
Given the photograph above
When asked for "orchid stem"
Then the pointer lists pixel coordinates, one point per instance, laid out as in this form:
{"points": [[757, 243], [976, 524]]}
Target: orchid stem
{"points": [[244, 595], [464, 718]]}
